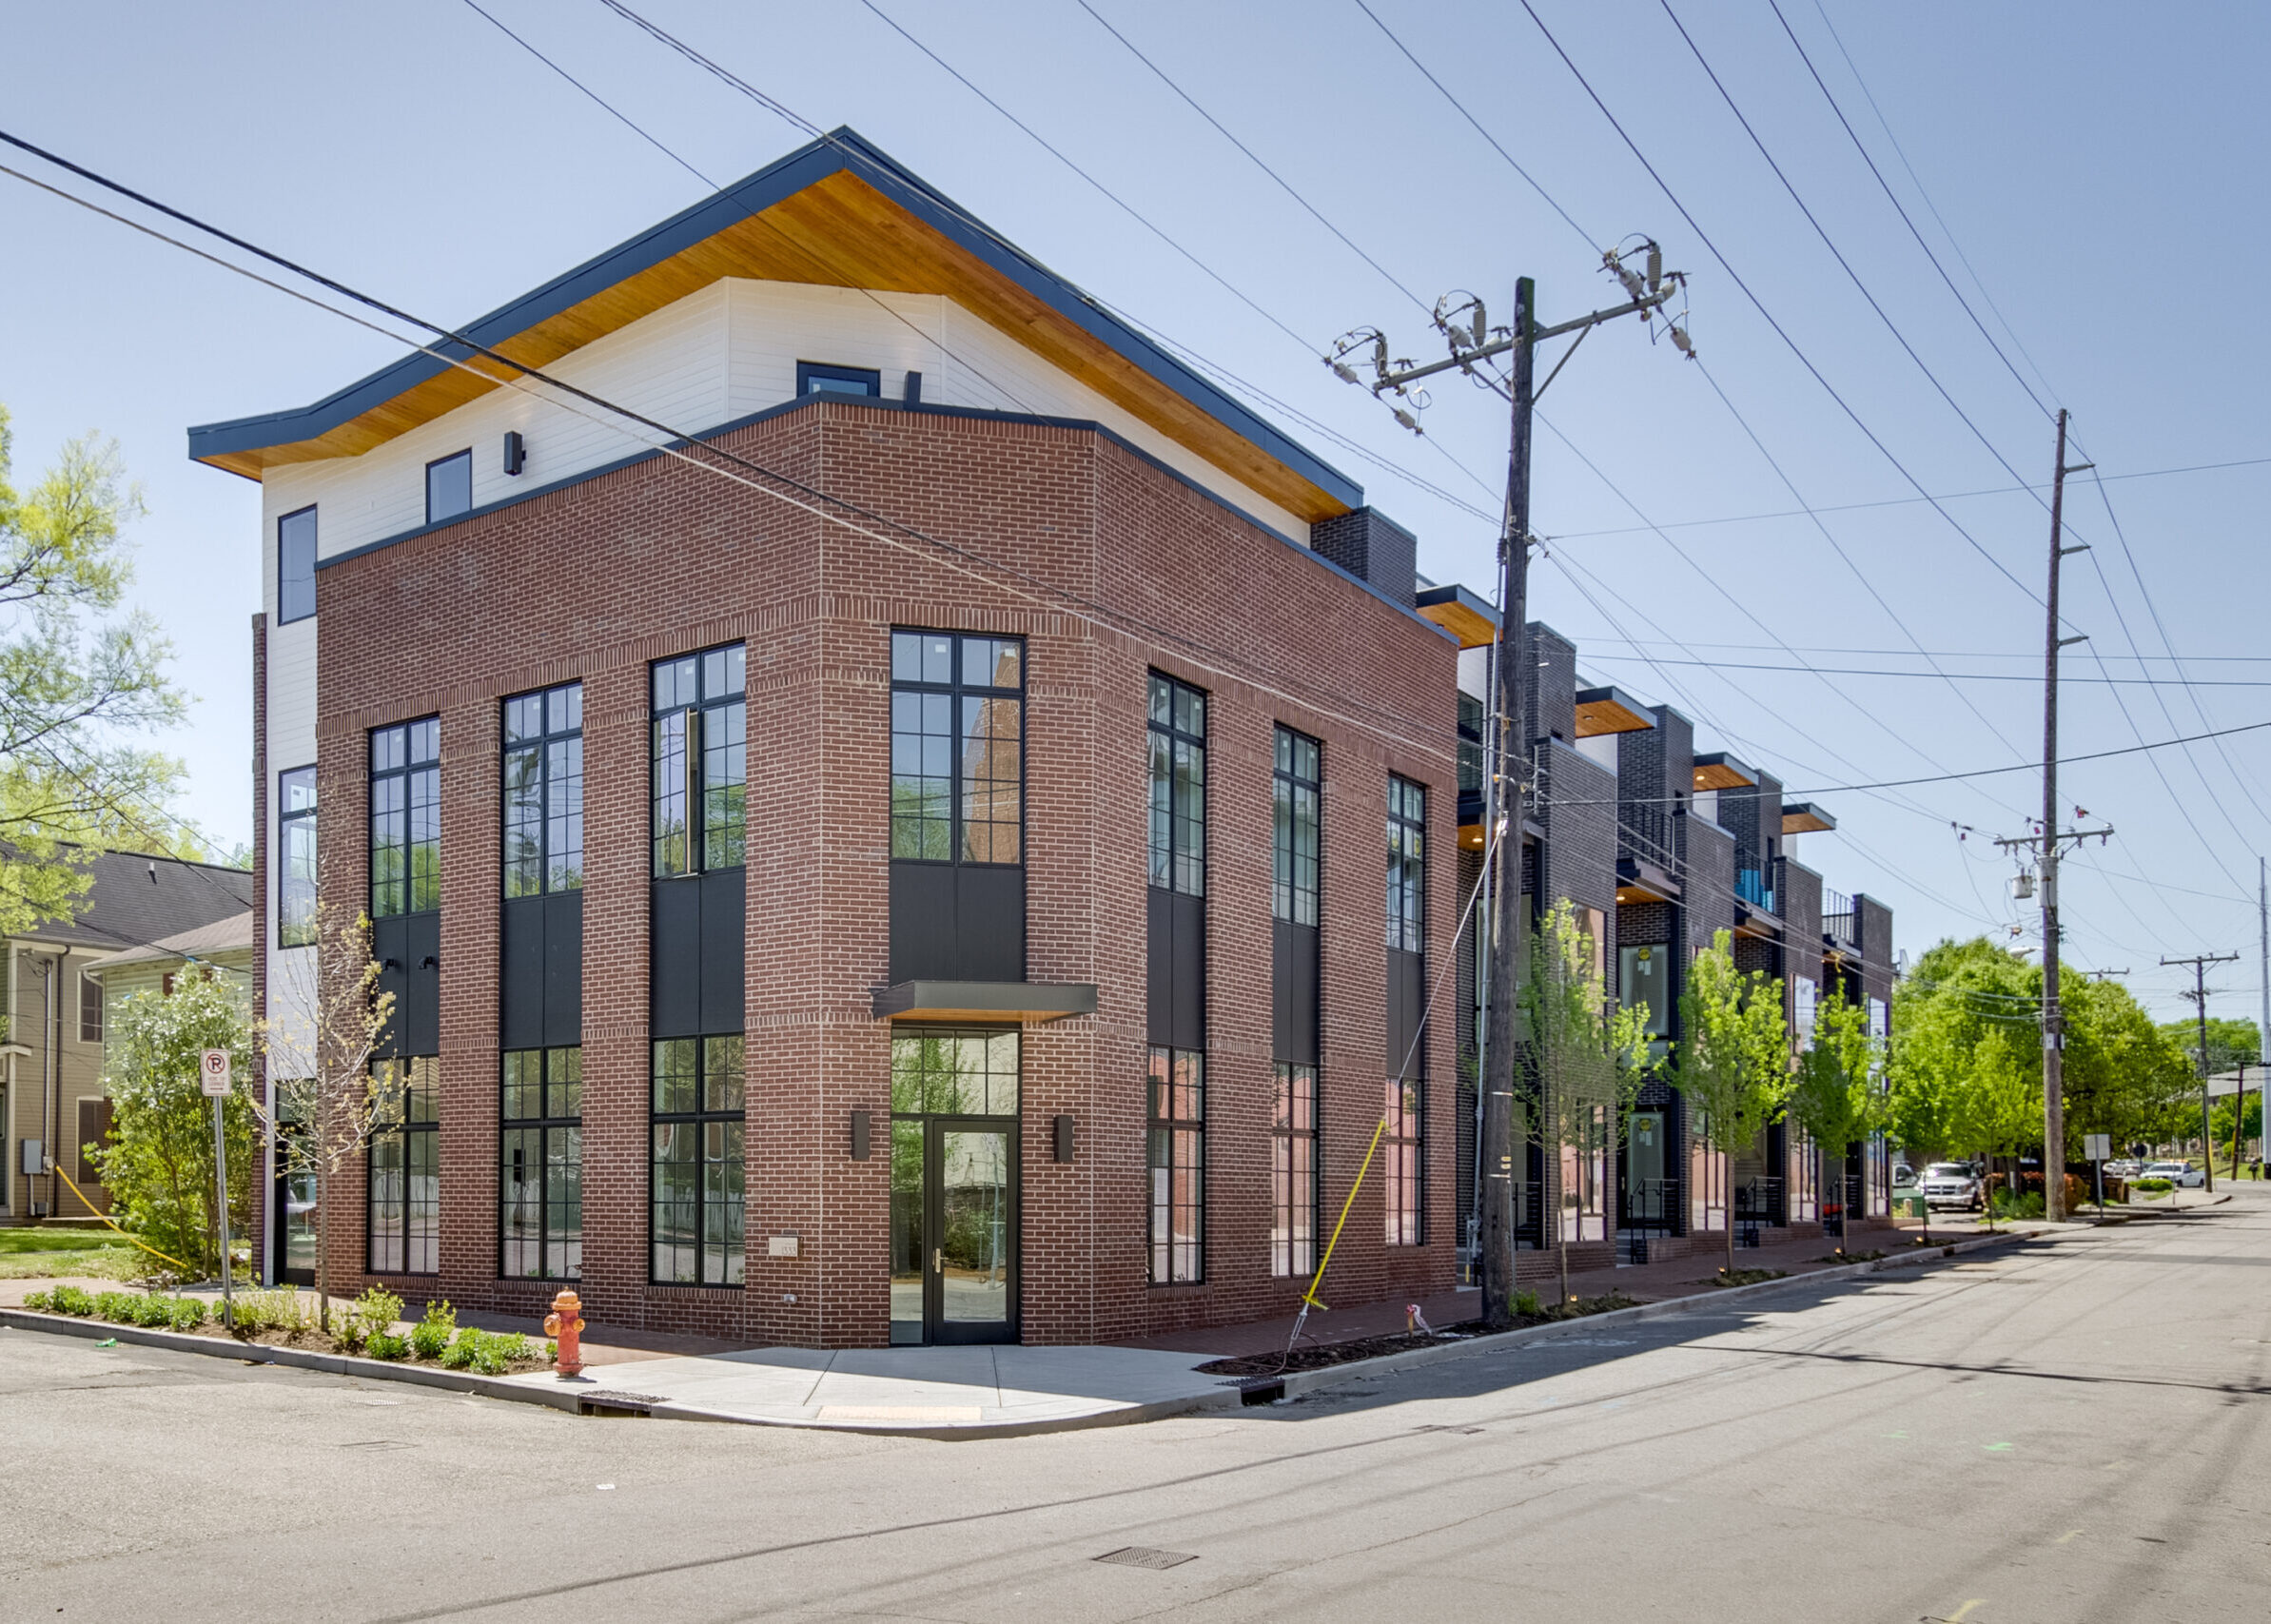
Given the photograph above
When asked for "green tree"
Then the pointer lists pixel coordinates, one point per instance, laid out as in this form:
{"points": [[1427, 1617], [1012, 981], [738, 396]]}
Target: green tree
{"points": [[2231, 1043], [1588, 1061], [1834, 1096], [78, 680], [1732, 1062], [158, 1163], [318, 1044]]}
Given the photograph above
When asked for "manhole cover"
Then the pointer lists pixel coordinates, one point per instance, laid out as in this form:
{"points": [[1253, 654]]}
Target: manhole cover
{"points": [[1145, 1557]]}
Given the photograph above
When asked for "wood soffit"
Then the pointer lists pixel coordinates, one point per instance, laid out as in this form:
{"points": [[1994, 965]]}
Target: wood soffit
{"points": [[837, 232]]}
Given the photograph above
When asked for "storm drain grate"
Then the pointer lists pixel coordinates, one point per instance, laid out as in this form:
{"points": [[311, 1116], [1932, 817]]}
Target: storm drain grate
{"points": [[604, 1402], [1147, 1556]]}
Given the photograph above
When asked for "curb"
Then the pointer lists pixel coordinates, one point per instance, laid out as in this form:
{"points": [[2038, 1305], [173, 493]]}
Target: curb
{"points": [[1232, 1393], [1300, 1382], [299, 1358]]}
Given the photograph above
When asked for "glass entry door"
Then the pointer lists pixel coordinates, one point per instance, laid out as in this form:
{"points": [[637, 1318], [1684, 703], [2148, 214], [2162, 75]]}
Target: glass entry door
{"points": [[953, 1230]]}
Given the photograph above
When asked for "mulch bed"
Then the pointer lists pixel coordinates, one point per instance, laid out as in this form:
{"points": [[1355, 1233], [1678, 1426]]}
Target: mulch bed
{"points": [[1324, 1356]]}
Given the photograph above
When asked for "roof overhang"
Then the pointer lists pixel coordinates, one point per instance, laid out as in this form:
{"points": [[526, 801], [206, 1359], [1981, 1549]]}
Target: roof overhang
{"points": [[1804, 817], [1030, 1001], [1610, 711], [1720, 771], [839, 213], [1460, 613]]}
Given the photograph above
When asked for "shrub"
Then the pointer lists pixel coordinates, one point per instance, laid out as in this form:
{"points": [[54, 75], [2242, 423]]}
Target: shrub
{"points": [[38, 1303], [458, 1355], [497, 1352], [2151, 1187], [1525, 1304], [430, 1337], [386, 1344], [2029, 1205], [276, 1310], [70, 1300], [373, 1313], [190, 1313]]}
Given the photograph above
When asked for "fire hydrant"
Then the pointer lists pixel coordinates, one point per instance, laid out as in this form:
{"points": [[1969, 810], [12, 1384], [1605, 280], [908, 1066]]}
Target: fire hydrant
{"points": [[564, 1326]]}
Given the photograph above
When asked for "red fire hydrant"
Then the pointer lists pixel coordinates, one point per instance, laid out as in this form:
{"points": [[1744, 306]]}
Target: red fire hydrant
{"points": [[564, 1326]]}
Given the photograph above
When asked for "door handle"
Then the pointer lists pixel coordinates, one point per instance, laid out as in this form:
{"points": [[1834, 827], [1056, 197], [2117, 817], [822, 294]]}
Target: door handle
{"points": [[939, 1260]]}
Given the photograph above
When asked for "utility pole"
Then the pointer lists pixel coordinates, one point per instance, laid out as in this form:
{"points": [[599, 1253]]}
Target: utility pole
{"points": [[1473, 342], [2198, 995], [2262, 1031], [2054, 1131]]}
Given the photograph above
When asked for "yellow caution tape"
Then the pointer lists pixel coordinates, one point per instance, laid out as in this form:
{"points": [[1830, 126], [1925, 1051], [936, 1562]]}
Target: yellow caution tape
{"points": [[105, 1217]]}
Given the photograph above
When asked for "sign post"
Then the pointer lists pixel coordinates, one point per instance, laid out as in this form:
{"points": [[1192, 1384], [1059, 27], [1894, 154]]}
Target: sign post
{"points": [[2096, 1147], [212, 1076]]}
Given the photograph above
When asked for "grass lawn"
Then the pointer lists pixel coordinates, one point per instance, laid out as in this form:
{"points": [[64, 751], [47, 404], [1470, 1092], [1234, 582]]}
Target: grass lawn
{"points": [[39, 1254]]}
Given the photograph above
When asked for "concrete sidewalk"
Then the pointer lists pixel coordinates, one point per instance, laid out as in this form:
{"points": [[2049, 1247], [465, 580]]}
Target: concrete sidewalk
{"points": [[966, 1392]]}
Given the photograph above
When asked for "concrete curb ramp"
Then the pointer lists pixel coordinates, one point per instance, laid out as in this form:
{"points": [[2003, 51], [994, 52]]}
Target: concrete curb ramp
{"points": [[863, 1406]]}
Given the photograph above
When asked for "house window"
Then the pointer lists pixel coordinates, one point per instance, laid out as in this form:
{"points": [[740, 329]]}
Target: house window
{"points": [[449, 487], [1178, 787], [1297, 787], [296, 865], [957, 747], [543, 791], [407, 818], [817, 378], [1178, 1163], [405, 1167], [1293, 1172], [702, 761], [296, 566], [1399, 1156], [540, 1180], [90, 1010], [1407, 864], [697, 1222]]}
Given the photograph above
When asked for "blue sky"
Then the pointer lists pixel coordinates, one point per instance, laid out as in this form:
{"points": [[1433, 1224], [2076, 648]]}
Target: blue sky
{"points": [[2094, 172]]}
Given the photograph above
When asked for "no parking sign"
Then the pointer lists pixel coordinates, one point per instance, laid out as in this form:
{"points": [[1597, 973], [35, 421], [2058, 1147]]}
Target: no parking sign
{"points": [[212, 1072]]}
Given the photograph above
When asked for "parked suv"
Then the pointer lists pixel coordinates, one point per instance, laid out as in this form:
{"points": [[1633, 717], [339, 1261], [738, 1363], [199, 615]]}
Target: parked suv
{"points": [[1953, 1183], [2183, 1175]]}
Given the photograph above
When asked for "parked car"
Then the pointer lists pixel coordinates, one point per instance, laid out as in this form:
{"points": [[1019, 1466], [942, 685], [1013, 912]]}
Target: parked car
{"points": [[2127, 1167], [2181, 1174], [1953, 1183], [1903, 1175]]}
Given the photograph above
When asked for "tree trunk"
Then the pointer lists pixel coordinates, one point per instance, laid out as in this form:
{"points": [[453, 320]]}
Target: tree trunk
{"points": [[322, 1252]]}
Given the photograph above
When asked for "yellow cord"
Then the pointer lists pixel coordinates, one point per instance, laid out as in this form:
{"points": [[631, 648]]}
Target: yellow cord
{"points": [[90, 1207], [1325, 1262]]}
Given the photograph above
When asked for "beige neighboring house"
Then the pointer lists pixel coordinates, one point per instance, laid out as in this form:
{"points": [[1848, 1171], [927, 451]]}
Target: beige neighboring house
{"points": [[134, 926]]}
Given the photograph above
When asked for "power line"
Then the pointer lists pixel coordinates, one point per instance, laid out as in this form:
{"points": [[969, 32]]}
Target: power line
{"points": [[1980, 675], [1804, 360], [680, 444]]}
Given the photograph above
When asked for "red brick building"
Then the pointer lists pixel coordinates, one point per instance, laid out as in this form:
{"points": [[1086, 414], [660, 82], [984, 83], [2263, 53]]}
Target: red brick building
{"points": [[956, 847]]}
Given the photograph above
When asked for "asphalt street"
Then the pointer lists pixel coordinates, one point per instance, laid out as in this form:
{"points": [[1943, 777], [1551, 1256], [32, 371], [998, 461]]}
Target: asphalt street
{"points": [[2075, 1432]]}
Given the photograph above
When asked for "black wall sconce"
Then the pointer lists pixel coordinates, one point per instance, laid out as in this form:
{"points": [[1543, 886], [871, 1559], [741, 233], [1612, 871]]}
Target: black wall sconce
{"points": [[1064, 1145], [860, 1136], [516, 451]]}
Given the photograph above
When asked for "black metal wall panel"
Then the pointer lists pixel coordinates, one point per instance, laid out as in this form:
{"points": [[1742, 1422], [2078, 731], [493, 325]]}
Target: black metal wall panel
{"points": [[675, 962], [563, 969], [1407, 1001], [724, 950], [390, 946], [1294, 1007], [922, 922], [989, 925], [1176, 969], [522, 973]]}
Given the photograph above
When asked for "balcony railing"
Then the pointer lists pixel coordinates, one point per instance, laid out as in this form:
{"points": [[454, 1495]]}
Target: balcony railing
{"points": [[1646, 833], [1841, 923], [1651, 1204], [1750, 885]]}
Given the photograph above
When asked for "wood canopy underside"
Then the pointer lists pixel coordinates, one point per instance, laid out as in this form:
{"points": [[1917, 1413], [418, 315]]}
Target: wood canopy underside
{"points": [[839, 232]]}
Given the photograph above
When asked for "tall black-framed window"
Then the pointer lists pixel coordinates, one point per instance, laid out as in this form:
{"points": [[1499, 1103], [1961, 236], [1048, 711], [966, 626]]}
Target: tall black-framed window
{"points": [[449, 487], [543, 791], [1400, 1150], [1177, 1156], [1293, 1171], [957, 747], [407, 818], [702, 761], [819, 378], [1298, 789], [1178, 731], [296, 857], [540, 1172], [1407, 865], [698, 1191], [296, 566], [405, 1167]]}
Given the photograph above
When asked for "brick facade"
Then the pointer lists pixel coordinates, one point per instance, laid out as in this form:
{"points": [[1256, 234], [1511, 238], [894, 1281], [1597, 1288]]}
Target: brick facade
{"points": [[1110, 567]]}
